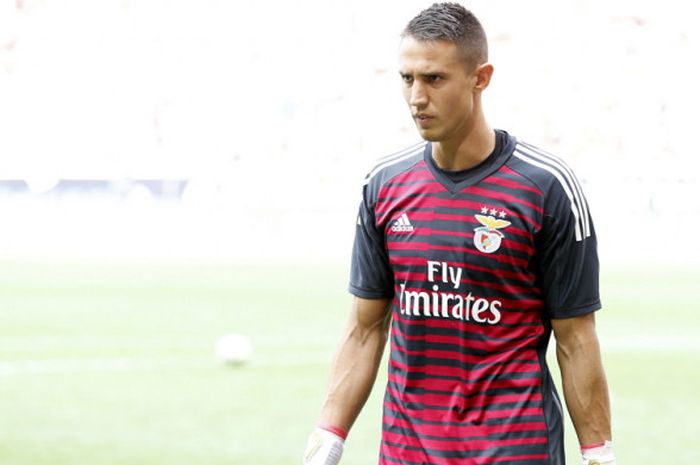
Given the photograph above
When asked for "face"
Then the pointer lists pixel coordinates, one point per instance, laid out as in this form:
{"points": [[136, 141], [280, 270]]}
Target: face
{"points": [[441, 92]]}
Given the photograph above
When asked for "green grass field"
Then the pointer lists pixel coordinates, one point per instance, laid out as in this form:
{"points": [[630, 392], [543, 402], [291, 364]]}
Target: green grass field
{"points": [[113, 364]]}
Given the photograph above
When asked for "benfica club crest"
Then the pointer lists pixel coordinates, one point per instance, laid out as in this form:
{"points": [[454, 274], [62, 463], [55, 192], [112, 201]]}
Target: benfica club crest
{"points": [[488, 238]]}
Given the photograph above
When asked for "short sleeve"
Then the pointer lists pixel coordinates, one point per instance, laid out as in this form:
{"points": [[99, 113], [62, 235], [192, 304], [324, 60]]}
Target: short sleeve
{"points": [[567, 256], [370, 276]]}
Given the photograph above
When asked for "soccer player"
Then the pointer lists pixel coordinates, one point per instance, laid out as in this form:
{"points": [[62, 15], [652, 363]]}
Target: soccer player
{"points": [[471, 248]]}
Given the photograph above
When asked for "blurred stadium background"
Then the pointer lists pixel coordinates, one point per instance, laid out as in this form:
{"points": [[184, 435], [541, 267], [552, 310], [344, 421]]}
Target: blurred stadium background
{"points": [[173, 129], [166, 167]]}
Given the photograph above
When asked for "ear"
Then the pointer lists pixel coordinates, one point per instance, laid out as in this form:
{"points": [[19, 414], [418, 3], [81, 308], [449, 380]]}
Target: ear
{"points": [[483, 75]]}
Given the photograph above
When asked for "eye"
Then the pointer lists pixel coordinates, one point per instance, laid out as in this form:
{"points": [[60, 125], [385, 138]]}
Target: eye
{"points": [[433, 78], [407, 79]]}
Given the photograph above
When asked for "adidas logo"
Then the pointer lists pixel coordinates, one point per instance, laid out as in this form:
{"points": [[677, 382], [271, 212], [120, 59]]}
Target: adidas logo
{"points": [[402, 224]]}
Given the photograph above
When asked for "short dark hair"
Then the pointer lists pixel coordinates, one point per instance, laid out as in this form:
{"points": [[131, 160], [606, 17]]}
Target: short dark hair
{"points": [[454, 23]]}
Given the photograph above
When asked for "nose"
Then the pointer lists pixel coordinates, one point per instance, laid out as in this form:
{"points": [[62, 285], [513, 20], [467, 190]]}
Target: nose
{"points": [[418, 97]]}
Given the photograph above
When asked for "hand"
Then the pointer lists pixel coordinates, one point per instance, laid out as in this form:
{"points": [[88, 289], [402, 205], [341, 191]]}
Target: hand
{"points": [[323, 448]]}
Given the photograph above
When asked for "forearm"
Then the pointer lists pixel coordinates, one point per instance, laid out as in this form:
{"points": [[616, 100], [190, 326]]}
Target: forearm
{"points": [[354, 370], [585, 387]]}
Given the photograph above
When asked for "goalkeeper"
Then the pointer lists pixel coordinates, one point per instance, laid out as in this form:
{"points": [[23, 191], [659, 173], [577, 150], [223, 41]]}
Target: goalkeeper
{"points": [[471, 249]]}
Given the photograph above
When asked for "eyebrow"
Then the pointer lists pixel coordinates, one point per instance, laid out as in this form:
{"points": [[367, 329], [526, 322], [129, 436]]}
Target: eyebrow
{"points": [[423, 74]]}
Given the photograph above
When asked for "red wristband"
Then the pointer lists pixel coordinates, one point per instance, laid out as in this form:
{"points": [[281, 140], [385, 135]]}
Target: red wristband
{"points": [[592, 446], [335, 430]]}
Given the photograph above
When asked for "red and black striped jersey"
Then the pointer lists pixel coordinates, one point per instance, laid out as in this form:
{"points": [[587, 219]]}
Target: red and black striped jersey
{"points": [[476, 263]]}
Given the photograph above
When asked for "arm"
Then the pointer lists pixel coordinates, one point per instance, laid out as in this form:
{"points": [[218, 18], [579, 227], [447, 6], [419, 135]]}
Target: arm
{"points": [[356, 362], [352, 376], [583, 378]]}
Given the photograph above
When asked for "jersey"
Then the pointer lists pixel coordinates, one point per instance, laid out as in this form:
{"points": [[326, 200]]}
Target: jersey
{"points": [[476, 266]]}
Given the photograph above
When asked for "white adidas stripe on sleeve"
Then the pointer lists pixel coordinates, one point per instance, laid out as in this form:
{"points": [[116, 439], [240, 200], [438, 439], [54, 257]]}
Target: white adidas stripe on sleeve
{"points": [[571, 178], [566, 179]]}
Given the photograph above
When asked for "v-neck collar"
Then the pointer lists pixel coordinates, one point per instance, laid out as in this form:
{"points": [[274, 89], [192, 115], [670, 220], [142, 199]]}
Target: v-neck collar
{"points": [[477, 173]]}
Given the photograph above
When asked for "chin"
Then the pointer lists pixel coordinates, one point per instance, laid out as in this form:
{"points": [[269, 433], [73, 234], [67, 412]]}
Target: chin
{"points": [[430, 136]]}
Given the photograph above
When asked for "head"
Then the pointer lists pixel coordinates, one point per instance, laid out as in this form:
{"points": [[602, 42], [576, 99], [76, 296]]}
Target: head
{"points": [[451, 22], [443, 64]]}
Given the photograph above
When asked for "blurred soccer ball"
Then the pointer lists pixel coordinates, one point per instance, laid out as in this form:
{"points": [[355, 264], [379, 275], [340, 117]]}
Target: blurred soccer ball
{"points": [[234, 349]]}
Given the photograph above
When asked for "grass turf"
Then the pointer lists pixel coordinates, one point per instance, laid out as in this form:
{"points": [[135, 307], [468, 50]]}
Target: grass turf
{"points": [[113, 364]]}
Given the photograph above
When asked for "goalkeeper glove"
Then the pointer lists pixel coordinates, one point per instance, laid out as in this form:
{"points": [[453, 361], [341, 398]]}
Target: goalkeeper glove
{"points": [[598, 454], [325, 446]]}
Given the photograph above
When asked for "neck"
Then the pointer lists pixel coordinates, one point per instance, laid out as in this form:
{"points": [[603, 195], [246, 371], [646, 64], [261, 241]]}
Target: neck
{"points": [[473, 147]]}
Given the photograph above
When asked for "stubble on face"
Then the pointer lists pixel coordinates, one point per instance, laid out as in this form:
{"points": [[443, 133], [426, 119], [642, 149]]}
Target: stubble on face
{"points": [[437, 87]]}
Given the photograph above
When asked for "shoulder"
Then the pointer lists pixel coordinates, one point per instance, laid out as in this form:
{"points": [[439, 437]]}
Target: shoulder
{"points": [[548, 172], [392, 165], [563, 195]]}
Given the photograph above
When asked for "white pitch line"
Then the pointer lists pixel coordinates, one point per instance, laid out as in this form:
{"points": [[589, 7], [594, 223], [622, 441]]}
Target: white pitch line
{"points": [[609, 344], [130, 364], [92, 365], [649, 343], [95, 343]]}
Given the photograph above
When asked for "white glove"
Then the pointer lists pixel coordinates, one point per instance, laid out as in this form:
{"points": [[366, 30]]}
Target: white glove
{"points": [[323, 448], [601, 455]]}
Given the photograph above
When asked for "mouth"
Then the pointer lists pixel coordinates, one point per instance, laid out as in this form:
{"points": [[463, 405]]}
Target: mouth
{"points": [[422, 119]]}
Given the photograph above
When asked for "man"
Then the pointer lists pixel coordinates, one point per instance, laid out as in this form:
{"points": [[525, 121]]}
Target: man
{"points": [[475, 246]]}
